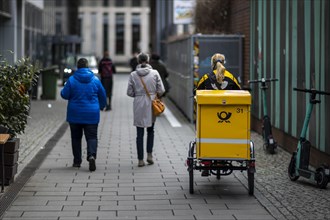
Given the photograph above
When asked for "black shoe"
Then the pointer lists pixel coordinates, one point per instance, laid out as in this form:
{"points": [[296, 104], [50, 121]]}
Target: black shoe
{"points": [[76, 165], [205, 173], [92, 166]]}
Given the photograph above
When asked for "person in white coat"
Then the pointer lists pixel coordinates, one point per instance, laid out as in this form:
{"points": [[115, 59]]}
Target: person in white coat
{"points": [[142, 107]]}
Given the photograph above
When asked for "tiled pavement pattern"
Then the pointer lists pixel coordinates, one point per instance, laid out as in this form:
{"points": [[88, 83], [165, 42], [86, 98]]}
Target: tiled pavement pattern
{"points": [[118, 189]]}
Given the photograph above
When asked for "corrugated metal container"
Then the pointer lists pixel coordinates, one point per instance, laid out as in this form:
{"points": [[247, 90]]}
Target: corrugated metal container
{"points": [[189, 58]]}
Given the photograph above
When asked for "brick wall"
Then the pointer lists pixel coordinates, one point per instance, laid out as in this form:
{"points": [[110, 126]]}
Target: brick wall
{"points": [[239, 23]]}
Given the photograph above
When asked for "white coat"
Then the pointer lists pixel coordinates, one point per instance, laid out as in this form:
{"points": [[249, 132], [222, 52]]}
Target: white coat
{"points": [[142, 109]]}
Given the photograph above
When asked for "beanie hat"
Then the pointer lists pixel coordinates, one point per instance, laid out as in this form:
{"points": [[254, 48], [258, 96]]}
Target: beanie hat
{"points": [[82, 63]]}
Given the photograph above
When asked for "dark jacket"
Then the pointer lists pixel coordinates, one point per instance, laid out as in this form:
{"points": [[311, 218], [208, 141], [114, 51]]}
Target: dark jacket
{"points": [[133, 62], [86, 96], [209, 82], [160, 67], [106, 68]]}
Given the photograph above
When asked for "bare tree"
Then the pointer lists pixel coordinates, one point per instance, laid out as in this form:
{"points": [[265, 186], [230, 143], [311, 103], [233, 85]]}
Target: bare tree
{"points": [[212, 16]]}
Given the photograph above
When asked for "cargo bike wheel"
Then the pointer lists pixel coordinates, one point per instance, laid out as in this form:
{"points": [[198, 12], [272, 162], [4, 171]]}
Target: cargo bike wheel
{"points": [[190, 163], [191, 176], [250, 175], [251, 169]]}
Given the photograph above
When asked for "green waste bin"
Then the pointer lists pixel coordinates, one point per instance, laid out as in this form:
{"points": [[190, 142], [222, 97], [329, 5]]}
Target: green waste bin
{"points": [[49, 82]]}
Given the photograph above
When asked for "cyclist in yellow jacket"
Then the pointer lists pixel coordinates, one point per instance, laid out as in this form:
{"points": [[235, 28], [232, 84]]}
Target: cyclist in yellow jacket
{"points": [[219, 78]]}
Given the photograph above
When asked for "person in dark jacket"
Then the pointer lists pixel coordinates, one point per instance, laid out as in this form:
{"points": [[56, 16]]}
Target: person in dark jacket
{"points": [[86, 96], [158, 65], [219, 78], [133, 62], [106, 71]]}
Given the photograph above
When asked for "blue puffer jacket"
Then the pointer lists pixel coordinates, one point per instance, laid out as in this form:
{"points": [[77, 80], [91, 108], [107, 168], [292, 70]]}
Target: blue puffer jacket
{"points": [[86, 96]]}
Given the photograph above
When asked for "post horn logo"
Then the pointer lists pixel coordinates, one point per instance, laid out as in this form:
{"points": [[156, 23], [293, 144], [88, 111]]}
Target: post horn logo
{"points": [[224, 116]]}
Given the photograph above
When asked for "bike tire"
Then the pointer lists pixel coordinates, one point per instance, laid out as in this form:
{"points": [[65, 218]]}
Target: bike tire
{"points": [[191, 176], [250, 182]]}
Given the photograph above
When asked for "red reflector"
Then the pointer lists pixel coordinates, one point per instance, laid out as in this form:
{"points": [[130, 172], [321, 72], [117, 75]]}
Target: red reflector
{"points": [[206, 163]]}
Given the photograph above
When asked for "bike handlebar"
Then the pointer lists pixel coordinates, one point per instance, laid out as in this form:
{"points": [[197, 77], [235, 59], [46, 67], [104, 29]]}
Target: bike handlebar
{"points": [[312, 91], [262, 80]]}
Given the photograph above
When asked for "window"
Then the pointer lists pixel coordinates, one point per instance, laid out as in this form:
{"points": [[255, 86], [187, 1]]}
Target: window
{"points": [[136, 3], [80, 22], [105, 31], [136, 29], [120, 3], [27, 41], [120, 33], [105, 3], [58, 23], [58, 3], [5, 7], [93, 32]]}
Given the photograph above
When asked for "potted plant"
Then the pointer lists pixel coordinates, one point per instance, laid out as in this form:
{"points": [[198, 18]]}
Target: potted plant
{"points": [[15, 83]]}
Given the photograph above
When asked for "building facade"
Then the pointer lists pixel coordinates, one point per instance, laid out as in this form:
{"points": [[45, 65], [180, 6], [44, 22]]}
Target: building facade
{"points": [[20, 29], [122, 27]]}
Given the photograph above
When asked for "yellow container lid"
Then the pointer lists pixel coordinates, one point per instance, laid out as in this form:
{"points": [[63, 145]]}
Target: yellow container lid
{"points": [[223, 97]]}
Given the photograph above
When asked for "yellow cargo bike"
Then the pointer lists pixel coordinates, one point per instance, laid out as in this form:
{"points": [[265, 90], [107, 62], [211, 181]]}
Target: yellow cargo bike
{"points": [[222, 142]]}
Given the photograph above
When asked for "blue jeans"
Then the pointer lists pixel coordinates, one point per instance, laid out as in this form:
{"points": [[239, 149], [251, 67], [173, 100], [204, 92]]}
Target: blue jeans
{"points": [[90, 131], [139, 140]]}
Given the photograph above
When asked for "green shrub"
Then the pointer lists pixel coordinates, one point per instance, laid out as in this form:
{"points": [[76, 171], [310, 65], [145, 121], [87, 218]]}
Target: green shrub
{"points": [[15, 83]]}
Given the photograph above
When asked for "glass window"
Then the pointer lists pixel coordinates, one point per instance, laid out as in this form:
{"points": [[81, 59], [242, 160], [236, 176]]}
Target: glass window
{"points": [[136, 30], [27, 42], [120, 3], [136, 3], [27, 17], [91, 3], [80, 22], [39, 19], [120, 33], [93, 31], [105, 31], [5, 6], [58, 3], [105, 2], [58, 22]]}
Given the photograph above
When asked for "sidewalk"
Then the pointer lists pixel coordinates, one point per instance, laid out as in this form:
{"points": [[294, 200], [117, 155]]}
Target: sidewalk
{"points": [[118, 189]]}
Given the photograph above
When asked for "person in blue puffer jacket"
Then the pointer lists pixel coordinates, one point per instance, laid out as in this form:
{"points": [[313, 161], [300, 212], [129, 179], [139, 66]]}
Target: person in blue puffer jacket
{"points": [[86, 96]]}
